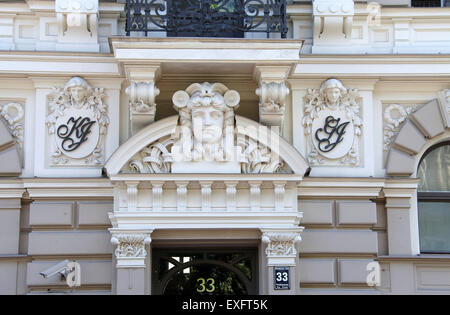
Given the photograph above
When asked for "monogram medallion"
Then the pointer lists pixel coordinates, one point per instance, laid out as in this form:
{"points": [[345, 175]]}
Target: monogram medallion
{"points": [[333, 134], [77, 133], [77, 124], [332, 124]]}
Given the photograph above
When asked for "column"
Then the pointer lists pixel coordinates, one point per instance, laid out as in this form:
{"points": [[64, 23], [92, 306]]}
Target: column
{"points": [[281, 254], [132, 248]]}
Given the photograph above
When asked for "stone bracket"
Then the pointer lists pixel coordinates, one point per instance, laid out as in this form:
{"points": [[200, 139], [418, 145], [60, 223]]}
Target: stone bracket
{"points": [[77, 24], [272, 92], [142, 93], [333, 20]]}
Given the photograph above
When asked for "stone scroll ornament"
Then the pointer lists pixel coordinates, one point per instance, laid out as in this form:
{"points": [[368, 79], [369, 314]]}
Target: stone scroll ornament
{"points": [[77, 124], [332, 124], [206, 132]]}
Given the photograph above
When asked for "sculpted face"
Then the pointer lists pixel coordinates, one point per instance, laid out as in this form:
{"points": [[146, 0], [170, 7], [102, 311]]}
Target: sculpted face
{"points": [[333, 95], [78, 93], [207, 123]]}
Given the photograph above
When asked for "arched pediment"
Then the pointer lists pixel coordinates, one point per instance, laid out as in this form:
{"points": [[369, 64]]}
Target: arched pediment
{"points": [[428, 125], [10, 163], [150, 150]]}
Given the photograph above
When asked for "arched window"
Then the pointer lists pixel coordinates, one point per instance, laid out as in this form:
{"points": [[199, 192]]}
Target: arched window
{"points": [[434, 200]]}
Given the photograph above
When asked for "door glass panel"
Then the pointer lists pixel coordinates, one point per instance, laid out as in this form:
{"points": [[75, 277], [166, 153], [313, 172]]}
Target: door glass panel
{"points": [[205, 279], [208, 272]]}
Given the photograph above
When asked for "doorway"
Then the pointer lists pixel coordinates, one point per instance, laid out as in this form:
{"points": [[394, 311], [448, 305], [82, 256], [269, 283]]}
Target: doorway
{"points": [[205, 271]]}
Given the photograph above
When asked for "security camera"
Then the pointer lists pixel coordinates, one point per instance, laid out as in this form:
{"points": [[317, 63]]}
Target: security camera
{"points": [[60, 268]]}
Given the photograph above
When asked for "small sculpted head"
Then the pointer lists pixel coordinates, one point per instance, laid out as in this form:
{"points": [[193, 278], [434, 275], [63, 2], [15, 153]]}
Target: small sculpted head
{"points": [[78, 89], [333, 90]]}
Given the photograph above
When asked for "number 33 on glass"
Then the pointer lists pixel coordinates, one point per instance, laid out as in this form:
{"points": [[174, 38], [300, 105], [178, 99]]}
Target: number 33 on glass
{"points": [[205, 285]]}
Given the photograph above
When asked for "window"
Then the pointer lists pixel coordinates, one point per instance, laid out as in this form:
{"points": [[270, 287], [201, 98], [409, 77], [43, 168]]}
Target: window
{"points": [[428, 3], [434, 200]]}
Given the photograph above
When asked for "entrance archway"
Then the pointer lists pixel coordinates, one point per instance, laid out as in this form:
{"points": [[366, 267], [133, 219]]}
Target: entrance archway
{"points": [[205, 272]]}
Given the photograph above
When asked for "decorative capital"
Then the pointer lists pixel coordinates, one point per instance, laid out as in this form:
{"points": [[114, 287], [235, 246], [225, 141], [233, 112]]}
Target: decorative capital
{"points": [[281, 244], [130, 245]]}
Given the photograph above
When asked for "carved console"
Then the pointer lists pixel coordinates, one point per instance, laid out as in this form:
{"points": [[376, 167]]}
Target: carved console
{"points": [[77, 24], [273, 93], [142, 93], [333, 20]]}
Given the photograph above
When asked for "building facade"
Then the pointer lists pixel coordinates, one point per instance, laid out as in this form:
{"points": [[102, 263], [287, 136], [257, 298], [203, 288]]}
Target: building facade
{"points": [[224, 147]]}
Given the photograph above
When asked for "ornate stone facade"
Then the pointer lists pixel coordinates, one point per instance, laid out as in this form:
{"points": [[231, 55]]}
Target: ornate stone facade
{"points": [[207, 133]]}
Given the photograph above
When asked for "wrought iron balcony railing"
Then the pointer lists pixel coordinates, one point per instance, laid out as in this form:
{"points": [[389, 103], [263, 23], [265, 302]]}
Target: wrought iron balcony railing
{"points": [[206, 18]]}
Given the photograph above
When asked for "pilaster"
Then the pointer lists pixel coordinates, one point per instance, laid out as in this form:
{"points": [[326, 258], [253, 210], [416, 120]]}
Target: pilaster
{"points": [[132, 248]]}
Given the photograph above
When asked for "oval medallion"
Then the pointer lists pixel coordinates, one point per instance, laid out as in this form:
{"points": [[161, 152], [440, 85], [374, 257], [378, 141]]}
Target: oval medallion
{"points": [[333, 134], [77, 133]]}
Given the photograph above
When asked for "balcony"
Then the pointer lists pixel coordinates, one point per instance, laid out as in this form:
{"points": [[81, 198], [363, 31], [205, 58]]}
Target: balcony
{"points": [[206, 18]]}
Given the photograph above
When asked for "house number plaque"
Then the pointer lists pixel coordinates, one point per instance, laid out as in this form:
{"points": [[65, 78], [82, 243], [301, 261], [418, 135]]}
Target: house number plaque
{"points": [[281, 278]]}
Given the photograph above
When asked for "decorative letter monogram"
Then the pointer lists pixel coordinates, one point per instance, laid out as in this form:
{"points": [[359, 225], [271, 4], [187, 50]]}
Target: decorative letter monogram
{"points": [[79, 130], [78, 124], [332, 124], [334, 130]]}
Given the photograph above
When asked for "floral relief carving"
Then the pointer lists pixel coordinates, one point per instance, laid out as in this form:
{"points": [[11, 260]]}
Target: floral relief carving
{"points": [[281, 244], [13, 113], [394, 116], [77, 124], [332, 124], [130, 245]]}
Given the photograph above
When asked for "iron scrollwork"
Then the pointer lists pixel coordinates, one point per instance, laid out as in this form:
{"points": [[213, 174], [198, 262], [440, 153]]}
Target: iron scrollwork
{"points": [[206, 18]]}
